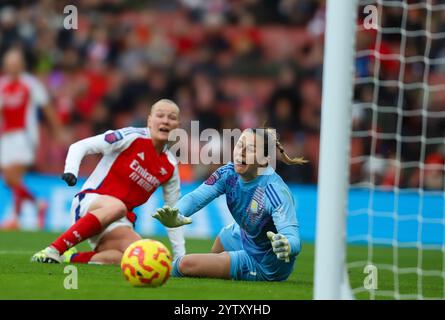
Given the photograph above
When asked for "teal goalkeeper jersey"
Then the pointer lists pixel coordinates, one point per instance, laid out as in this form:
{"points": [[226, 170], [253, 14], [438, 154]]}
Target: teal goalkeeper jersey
{"points": [[258, 206]]}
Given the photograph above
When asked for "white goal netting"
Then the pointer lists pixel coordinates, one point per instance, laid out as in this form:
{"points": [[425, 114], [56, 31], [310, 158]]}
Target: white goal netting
{"points": [[396, 214]]}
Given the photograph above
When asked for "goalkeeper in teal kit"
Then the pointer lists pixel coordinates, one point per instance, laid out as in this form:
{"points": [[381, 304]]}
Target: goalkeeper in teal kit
{"points": [[264, 241]]}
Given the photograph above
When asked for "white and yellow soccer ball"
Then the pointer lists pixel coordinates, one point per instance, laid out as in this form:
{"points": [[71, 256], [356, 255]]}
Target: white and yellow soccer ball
{"points": [[146, 263]]}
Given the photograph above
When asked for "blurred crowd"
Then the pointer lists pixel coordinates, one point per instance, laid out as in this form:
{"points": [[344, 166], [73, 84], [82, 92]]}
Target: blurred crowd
{"points": [[229, 64], [400, 119]]}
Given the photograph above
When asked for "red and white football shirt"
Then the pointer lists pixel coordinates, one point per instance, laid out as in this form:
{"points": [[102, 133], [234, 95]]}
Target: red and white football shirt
{"points": [[19, 100], [130, 169]]}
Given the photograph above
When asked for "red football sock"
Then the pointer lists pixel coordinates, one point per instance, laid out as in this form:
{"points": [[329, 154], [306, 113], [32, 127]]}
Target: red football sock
{"points": [[82, 257], [24, 193], [21, 193], [17, 204], [41, 214], [83, 229]]}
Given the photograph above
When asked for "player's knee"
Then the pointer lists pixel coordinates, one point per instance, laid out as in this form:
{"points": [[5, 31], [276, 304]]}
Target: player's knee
{"points": [[187, 265], [11, 180], [125, 244], [217, 246]]}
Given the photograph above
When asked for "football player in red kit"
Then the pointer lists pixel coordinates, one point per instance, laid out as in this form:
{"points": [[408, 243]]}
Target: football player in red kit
{"points": [[21, 95], [135, 163]]}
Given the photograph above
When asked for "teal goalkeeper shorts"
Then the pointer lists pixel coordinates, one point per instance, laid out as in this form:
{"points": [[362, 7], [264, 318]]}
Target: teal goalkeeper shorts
{"points": [[245, 267], [242, 266]]}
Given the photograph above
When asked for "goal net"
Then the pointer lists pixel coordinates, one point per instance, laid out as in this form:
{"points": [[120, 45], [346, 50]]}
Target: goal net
{"points": [[395, 226]]}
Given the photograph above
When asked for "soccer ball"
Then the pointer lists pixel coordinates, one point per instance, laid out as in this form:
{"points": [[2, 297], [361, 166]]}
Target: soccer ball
{"points": [[146, 263]]}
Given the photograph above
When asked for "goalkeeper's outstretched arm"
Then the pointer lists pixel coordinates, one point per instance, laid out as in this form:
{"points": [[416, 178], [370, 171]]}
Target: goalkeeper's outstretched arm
{"points": [[197, 199], [192, 202], [211, 189]]}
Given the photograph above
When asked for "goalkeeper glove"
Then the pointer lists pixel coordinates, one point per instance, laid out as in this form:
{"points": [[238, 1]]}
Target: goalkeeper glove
{"points": [[280, 245], [170, 217], [69, 178]]}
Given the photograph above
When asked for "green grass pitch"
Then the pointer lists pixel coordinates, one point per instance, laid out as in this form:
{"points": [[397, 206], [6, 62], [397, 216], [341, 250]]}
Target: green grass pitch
{"points": [[20, 279]]}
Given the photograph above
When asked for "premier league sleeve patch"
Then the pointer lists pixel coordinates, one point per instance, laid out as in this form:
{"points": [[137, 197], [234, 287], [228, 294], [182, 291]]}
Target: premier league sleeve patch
{"points": [[213, 178], [113, 137]]}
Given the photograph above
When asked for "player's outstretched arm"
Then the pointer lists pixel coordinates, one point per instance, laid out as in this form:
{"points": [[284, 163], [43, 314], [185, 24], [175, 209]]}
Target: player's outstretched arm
{"points": [[212, 188], [170, 217], [192, 202]]}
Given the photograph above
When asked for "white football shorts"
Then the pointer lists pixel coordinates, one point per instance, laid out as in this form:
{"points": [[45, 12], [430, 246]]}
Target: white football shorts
{"points": [[16, 147], [80, 207]]}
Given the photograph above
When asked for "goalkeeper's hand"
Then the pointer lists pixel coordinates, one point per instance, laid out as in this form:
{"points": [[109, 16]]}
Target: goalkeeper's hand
{"points": [[280, 245], [170, 217]]}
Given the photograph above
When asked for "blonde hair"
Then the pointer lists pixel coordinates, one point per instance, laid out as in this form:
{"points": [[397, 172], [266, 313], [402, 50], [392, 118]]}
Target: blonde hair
{"points": [[271, 133], [164, 100]]}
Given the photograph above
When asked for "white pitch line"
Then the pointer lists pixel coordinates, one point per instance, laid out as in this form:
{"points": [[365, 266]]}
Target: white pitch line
{"points": [[15, 252]]}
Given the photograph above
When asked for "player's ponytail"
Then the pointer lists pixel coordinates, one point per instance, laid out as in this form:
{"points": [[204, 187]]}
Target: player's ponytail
{"points": [[271, 135], [286, 159]]}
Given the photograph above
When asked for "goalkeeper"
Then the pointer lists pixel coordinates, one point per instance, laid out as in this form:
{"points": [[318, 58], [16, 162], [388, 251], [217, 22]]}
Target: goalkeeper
{"points": [[263, 243]]}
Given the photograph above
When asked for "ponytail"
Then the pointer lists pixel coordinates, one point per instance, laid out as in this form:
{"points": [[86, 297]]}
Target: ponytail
{"points": [[286, 159], [271, 134]]}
